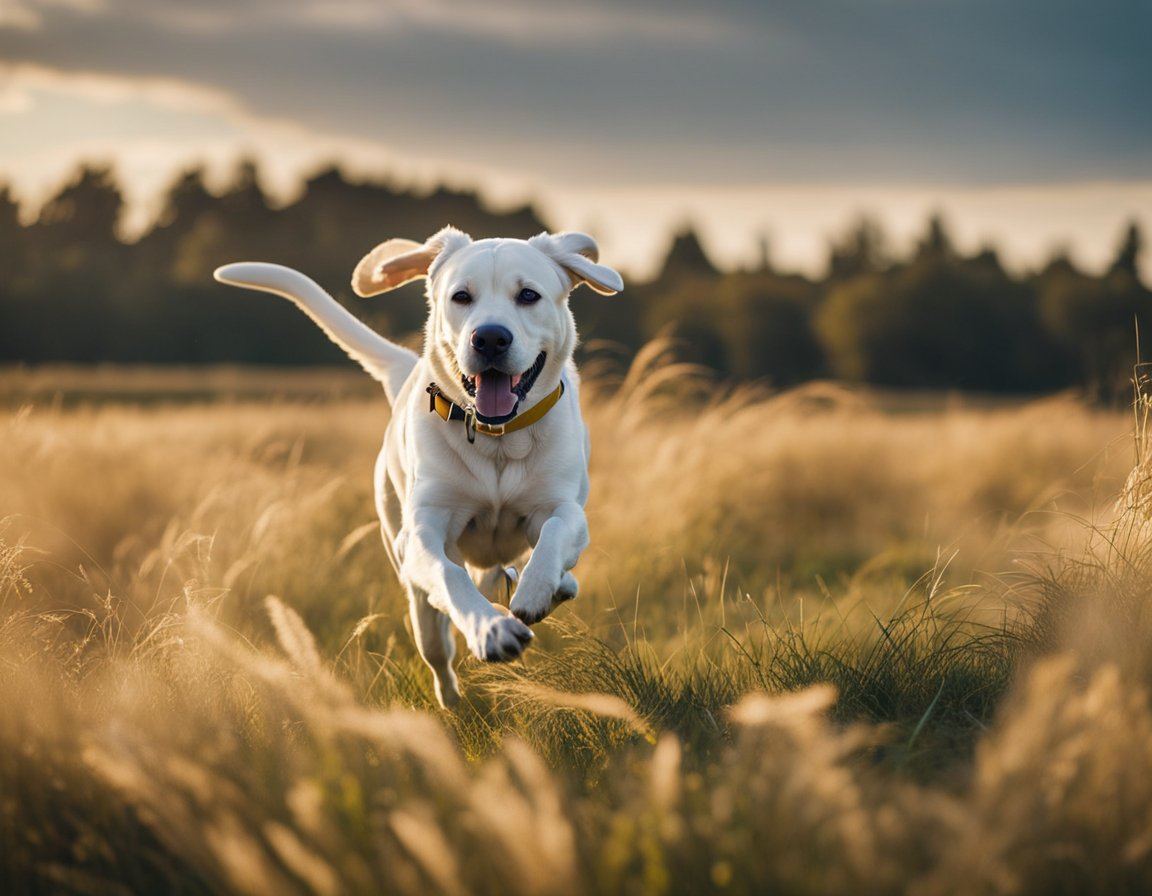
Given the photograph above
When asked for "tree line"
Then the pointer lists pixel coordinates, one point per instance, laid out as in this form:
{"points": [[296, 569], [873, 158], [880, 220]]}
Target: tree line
{"points": [[72, 290]]}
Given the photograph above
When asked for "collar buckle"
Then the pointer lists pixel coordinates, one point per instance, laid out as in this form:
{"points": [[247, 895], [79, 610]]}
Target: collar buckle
{"points": [[489, 429], [473, 425]]}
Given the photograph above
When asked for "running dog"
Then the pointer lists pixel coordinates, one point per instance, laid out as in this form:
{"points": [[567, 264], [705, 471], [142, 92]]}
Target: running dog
{"points": [[486, 454]]}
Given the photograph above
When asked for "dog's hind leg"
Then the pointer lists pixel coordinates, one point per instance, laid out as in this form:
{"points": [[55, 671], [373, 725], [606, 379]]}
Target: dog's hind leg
{"points": [[436, 642], [495, 582]]}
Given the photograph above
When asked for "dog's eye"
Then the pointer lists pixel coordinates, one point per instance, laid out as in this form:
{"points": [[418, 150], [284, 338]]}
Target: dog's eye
{"points": [[463, 297], [528, 296]]}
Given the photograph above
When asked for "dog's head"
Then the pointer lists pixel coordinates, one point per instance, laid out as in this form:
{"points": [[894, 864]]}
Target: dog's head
{"points": [[499, 329]]}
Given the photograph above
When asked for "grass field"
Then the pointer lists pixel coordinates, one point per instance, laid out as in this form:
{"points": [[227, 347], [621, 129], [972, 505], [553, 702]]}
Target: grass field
{"points": [[824, 644]]}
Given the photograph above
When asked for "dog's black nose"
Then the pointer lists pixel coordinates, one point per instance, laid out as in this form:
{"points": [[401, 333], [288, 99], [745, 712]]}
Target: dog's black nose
{"points": [[491, 341]]}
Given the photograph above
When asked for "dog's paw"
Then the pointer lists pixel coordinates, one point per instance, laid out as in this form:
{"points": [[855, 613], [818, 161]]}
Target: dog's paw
{"points": [[568, 589], [501, 639], [530, 605]]}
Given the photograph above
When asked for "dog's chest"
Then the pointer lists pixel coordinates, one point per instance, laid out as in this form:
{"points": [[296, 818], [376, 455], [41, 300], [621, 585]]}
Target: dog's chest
{"points": [[489, 539], [495, 530]]}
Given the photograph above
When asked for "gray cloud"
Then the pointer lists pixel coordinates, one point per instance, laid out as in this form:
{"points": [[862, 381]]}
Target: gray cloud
{"points": [[957, 91]]}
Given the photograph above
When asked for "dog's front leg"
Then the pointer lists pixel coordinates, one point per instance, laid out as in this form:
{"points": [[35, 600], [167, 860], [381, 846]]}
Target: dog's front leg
{"points": [[558, 537], [491, 635]]}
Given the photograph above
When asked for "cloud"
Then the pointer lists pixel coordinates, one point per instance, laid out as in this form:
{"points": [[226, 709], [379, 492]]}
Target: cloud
{"points": [[27, 15], [542, 23], [105, 89], [149, 129], [18, 17], [662, 101], [946, 91], [507, 21]]}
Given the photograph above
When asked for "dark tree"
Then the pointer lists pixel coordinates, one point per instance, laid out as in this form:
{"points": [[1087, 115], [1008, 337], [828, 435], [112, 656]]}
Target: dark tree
{"points": [[72, 290], [1127, 259], [1095, 321], [936, 244], [935, 324], [862, 250], [686, 258]]}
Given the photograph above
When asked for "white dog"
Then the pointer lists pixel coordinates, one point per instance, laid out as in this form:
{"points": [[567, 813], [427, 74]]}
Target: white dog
{"points": [[486, 454]]}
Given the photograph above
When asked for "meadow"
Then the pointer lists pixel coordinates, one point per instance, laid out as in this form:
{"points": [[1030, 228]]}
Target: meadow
{"points": [[827, 641]]}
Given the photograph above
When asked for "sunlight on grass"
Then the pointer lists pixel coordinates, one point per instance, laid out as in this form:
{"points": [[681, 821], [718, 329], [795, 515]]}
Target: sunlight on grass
{"points": [[820, 646]]}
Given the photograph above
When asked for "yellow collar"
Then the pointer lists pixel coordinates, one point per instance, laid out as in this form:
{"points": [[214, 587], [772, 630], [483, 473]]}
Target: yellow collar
{"points": [[448, 411]]}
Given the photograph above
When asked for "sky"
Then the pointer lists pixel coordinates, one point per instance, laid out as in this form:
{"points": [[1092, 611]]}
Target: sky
{"points": [[1026, 123]]}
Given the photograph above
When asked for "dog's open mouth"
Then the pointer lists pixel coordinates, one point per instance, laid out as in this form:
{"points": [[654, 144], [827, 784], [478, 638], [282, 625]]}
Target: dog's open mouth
{"points": [[497, 394]]}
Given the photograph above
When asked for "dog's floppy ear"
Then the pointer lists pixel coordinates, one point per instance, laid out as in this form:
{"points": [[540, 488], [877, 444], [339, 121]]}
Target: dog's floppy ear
{"points": [[578, 253], [396, 262]]}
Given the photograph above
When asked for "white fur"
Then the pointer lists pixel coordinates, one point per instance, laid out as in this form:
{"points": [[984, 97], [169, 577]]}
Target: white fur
{"points": [[457, 516]]}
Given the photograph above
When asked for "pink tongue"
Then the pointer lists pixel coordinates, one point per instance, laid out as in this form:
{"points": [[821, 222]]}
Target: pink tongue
{"points": [[494, 395]]}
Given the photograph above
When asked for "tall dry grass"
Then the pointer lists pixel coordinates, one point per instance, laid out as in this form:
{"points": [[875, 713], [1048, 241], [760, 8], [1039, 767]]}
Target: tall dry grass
{"points": [[821, 646]]}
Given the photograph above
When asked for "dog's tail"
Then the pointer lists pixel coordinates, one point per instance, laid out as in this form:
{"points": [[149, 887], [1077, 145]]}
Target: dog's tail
{"points": [[387, 362]]}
